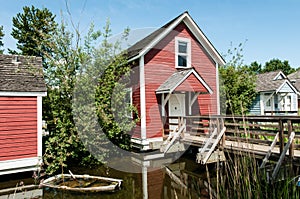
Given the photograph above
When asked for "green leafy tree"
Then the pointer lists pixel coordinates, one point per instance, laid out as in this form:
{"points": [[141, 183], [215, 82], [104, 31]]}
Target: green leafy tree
{"points": [[1, 38], [255, 67], [72, 106], [276, 64], [63, 143], [111, 92], [33, 30], [237, 84]]}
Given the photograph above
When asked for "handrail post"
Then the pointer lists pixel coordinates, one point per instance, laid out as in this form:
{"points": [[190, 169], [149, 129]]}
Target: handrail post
{"points": [[221, 127], [281, 136], [290, 129]]}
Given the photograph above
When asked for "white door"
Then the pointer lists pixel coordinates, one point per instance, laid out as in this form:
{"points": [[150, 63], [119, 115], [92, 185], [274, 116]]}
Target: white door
{"points": [[176, 108]]}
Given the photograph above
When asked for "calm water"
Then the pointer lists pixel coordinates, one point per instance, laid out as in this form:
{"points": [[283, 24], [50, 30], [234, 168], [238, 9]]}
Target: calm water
{"points": [[181, 179]]}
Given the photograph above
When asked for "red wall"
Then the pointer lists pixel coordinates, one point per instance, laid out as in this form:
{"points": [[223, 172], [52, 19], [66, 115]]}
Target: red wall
{"points": [[18, 127], [160, 64]]}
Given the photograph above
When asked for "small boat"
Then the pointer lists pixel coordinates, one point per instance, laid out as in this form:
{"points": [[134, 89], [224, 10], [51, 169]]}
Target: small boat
{"points": [[82, 183]]}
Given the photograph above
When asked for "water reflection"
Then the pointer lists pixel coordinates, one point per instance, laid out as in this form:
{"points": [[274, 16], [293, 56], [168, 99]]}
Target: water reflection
{"points": [[149, 180], [181, 179]]}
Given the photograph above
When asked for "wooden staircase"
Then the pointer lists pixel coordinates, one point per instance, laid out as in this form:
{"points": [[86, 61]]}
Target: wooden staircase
{"points": [[205, 153]]}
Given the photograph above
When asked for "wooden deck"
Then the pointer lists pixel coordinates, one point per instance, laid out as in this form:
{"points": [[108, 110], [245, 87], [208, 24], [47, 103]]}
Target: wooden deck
{"points": [[250, 134]]}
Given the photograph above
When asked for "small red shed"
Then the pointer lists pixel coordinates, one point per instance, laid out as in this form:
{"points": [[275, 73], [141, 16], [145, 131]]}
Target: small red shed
{"points": [[177, 69], [21, 90]]}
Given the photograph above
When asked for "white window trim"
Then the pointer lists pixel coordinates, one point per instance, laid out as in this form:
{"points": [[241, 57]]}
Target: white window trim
{"points": [[189, 51], [284, 106]]}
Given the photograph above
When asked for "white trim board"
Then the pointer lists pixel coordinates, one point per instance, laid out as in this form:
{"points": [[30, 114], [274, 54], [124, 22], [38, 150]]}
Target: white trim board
{"points": [[19, 165], [23, 94]]}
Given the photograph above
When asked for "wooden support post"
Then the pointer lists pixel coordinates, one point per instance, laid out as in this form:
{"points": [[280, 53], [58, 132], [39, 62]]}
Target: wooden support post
{"points": [[222, 145], [281, 136], [290, 129]]}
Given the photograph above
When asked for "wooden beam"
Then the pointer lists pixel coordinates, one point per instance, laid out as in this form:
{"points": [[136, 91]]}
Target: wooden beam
{"points": [[286, 147], [164, 101], [290, 129], [281, 136], [216, 141], [265, 160]]}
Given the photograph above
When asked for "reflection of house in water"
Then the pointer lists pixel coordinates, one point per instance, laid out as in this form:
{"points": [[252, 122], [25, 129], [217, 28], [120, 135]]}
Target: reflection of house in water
{"points": [[174, 180]]}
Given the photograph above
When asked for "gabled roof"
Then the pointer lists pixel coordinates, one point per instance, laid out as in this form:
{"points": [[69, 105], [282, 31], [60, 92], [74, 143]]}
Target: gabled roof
{"points": [[21, 74], [179, 77], [144, 45], [272, 81]]}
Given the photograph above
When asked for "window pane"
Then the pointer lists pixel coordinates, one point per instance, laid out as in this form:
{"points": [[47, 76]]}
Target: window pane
{"points": [[182, 60], [182, 47]]}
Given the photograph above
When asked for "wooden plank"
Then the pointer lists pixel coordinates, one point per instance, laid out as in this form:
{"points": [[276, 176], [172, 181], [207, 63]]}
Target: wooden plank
{"points": [[269, 151], [169, 142], [208, 142], [282, 155], [213, 146]]}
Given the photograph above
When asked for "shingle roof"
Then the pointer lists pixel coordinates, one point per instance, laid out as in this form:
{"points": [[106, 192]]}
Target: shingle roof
{"points": [[21, 74], [136, 48], [170, 84], [266, 82], [176, 79], [295, 79]]}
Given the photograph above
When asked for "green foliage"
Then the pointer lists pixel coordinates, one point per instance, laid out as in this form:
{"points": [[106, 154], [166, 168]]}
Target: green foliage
{"points": [[255, 67], [237, 84], [241, 177], [1, 38], [276, 64], [111, 106], [33, 30], [78, 94], [63, 142], [272, 65]]}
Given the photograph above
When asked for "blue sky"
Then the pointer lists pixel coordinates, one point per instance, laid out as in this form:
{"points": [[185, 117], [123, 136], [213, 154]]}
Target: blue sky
{"points": [[271, 28]]}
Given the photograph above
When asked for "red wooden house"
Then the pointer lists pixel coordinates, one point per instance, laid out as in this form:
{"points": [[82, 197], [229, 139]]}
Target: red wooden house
{"points": [[177, 75], [21, 90]]}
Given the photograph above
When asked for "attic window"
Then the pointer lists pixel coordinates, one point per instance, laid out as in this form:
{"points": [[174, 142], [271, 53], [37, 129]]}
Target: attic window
{"points": [[182, 52]]}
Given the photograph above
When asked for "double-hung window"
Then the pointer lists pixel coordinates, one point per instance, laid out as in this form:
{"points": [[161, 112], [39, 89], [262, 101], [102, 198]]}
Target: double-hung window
{"points": [[182, 52]]}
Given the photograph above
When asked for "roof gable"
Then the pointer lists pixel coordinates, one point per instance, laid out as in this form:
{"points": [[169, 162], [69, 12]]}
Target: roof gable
{"points": [[279, 76], [178, 80], [21, 74], [143, 46]]}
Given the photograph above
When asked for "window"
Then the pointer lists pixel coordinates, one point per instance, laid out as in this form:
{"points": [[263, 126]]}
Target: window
{"points": [[182, 52], [128, 102], [268, 100], [286, 102]]}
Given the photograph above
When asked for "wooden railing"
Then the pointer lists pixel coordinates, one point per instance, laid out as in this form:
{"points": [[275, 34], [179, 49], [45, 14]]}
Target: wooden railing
{"points": [[251, 129]]}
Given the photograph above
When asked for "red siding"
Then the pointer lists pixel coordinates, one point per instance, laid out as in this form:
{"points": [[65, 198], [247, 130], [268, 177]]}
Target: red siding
{"points": [[191, 84], [18, 127], [160, 64]]}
